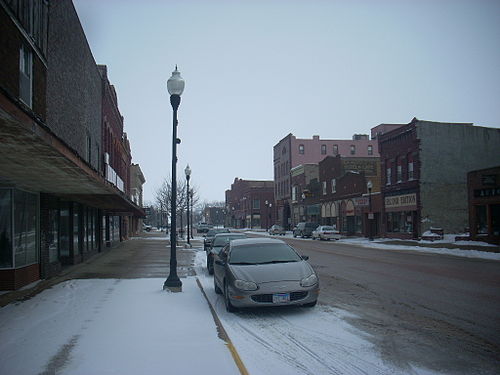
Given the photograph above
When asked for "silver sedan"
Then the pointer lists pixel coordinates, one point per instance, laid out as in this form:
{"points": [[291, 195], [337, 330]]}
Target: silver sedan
{"points": [[257, 272]]}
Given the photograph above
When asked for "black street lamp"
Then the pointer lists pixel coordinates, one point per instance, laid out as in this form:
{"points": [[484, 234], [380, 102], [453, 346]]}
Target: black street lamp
{"points": [[175, 87], [369, 185], [187, 171]]}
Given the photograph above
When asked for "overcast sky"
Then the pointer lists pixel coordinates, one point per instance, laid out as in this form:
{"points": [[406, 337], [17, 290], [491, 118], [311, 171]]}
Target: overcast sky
{"points": [[258, 70]]}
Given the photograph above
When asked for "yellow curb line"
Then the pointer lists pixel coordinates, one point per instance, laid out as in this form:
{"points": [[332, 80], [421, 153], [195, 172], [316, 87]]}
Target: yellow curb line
{"points": [[223, 334]]}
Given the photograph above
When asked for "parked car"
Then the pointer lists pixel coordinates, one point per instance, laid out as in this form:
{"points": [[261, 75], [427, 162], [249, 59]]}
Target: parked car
{"points": [[325, 232], [147, 227], [203, 227], [276, 229], [220, 240], [304, 229], [207, 242], [257, 272]]}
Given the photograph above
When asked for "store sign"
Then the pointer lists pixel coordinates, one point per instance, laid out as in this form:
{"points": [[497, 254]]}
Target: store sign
{"points": [[361, 202], [401, 201], [485, 193]]}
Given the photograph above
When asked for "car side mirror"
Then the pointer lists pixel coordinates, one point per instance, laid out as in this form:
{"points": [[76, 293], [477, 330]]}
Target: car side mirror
{"points": [[220, 262], [305, 257]]}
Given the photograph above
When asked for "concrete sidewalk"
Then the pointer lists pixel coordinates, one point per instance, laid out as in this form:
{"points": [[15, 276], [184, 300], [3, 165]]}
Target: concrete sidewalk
{"points": [[147, 256]]}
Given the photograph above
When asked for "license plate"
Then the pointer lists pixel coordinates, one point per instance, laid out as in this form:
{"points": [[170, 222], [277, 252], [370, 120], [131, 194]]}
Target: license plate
{"points": [[281, 297]]}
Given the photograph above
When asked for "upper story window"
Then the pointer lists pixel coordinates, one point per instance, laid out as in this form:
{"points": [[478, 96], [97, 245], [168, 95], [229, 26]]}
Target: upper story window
{"points": [[301, 149], [411, 175], [353, 150], [88, 149], [294, 193], [256, 204], [388, 173], [324, 187], [335, 149], [25, 75], [370, 150], [334, 185], [323, 149]]}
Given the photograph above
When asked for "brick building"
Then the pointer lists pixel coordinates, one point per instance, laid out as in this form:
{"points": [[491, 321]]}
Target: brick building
{"points": [[334, 192], [53, 194], [291, 152], [249, 204], [424, 168]]}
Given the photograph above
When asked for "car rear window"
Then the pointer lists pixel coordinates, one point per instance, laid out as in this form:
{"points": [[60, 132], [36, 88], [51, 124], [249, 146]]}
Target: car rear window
{"points": [[224, 240], [263, 253]]}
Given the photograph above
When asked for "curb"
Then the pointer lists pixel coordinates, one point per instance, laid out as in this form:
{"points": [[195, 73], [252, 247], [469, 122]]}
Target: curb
{"points": [[223, 334]]}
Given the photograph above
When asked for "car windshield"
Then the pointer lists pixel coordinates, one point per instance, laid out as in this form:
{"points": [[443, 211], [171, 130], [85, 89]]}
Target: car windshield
{"points": [[263, 253], [327, 228], [224, 240]]}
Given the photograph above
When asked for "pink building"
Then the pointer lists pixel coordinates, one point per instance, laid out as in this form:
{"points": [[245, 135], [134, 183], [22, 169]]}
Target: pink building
{"points": [[291, 152]]}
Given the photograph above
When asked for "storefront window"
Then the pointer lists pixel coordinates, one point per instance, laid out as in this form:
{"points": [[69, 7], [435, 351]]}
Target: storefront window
{"points": [[25, 234], [495, 219], [358, 224], [400, 222], [53, 235], [481, 220], [5, 229], [76, 229], [65, 232]]}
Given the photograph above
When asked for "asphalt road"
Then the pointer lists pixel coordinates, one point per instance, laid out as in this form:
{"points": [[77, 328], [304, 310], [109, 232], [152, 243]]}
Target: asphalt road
{"points": [[440, 311]]}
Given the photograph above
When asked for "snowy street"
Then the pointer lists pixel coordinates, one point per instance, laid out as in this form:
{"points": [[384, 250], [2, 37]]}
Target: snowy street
{"points": [[112, 317]]}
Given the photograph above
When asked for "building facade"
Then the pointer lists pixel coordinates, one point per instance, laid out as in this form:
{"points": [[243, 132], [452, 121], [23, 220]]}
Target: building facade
{"points": [[424, 168], [249, 204], [53, 194], [291, 152]]}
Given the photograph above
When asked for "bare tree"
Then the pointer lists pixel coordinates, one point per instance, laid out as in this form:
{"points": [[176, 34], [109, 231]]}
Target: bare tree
{"points": [[164, 194]]}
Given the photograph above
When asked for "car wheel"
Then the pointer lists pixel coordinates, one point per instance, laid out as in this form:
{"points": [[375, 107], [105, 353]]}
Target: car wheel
{"points": [[229, 307], [210, 266], [311, 304], [216, 287]]}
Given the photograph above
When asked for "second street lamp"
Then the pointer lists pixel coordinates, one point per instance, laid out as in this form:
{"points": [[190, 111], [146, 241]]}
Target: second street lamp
{"points": [[175, 87], [369, 185], [187, 171]]}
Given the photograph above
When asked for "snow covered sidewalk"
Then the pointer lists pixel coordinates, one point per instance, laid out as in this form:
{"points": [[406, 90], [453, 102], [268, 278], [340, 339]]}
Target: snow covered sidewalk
{"points": [[111, 326]]}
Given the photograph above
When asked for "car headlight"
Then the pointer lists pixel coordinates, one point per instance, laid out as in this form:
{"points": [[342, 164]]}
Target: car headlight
{"points": [[309, 281], [245, 285]]}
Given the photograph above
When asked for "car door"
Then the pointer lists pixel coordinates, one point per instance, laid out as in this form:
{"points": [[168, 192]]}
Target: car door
{"points": [[219, 261]]}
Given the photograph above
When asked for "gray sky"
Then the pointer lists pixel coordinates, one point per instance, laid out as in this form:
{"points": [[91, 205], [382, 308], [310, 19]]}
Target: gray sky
{"points": [[258, 70]]}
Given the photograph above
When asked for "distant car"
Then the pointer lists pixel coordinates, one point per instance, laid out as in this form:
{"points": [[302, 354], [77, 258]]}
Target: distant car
{"points": [[304, 229], [220, 240], [258, 272], [147, 227], [203, 227], [325, 232], [207, 242], [276, 229]]}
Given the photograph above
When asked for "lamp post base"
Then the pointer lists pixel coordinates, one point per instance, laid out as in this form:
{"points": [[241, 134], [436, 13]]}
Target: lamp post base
{"points": [[173, 285]]}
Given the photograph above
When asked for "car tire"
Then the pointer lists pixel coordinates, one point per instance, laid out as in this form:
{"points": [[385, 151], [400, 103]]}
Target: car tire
{"points": [[310, 304], [216, 287], [229, 307], [210, 267]]}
